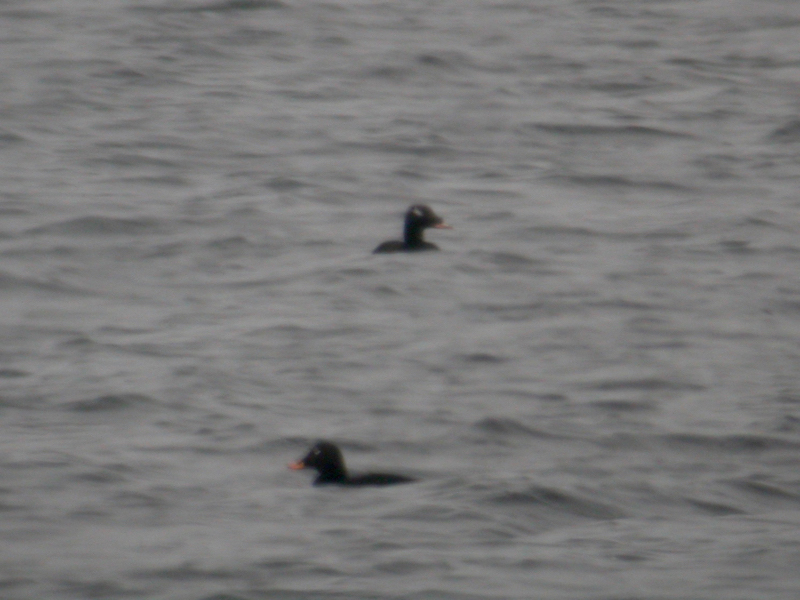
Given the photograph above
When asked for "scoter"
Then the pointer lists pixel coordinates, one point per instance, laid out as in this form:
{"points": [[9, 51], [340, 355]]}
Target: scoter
{"points": [[418, 218], [327, 459]]}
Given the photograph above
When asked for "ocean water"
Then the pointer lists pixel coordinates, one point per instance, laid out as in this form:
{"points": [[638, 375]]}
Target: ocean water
{"points": [[595, 381]]}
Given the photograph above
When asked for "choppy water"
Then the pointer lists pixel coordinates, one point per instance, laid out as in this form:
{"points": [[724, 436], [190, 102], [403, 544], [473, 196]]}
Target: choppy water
{"points": [[596, 380]]}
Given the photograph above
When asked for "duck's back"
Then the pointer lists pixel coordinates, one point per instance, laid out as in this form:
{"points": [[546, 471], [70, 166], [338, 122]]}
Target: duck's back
{"points": [[390, 246], [398, 246]]}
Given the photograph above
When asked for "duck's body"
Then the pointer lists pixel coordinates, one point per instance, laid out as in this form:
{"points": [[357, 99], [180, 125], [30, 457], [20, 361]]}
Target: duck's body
{"points": [[418, 218], [398, 246], [327, 460]]}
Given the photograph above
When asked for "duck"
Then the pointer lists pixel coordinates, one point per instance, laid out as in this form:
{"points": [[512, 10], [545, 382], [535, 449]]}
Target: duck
{"points": [[326, 458], [419, 217]]}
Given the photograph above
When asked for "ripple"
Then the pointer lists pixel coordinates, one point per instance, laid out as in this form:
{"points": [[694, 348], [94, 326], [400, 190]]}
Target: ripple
{"points": [[765, 490], [9, 282], [482, 358], [221, 6], [620, 406], [646, 384], [99, 225], [9, 373], [513, 262], [788, 133], [189, 572], [614, 181], [558, 500], [609, 130], [111, 402], [504, 426], [714, 508], [8, 138], [728, 443]]}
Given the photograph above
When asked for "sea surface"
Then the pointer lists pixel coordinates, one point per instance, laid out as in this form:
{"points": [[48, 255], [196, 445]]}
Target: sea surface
{"points": [[596, 381]]}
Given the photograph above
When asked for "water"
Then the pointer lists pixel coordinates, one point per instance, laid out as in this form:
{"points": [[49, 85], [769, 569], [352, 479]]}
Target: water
{"points": [[595, 380]]}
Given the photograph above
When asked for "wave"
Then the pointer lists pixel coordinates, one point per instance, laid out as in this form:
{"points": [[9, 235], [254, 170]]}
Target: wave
{"points": [[220, 6], [571, 129], [99, 225], [16, 283], [618, 181], [645, 384], [506, 427], [110, 402], [558, 500], [786, 134], [728, 443]]}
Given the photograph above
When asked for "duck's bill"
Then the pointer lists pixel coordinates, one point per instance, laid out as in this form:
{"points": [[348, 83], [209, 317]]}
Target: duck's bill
{"points": [[442, 226], [296, 466]]}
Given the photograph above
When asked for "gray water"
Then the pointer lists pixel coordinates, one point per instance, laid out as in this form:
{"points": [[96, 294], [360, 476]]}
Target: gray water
{"points": [[596, 381]]}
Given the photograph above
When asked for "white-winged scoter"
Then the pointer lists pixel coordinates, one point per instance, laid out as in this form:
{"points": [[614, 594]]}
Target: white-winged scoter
{"points": [[418, 218], [327, 459]]}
